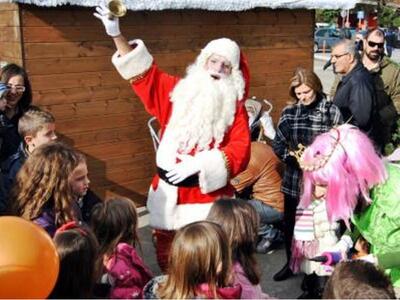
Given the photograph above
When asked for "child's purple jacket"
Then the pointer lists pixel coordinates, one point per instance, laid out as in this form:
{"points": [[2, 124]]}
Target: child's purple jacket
{"points": [[128, 273]]}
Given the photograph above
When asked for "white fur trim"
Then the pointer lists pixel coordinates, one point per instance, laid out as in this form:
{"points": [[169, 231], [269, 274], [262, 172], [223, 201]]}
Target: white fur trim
{"points": [[213, 173], [224, 47], [134, 63], [166, 214]]}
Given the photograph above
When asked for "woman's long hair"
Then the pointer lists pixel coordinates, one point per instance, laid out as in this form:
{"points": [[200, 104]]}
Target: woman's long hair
{"points": [[114, 221], [12, 70], [44, 178], [199, 254], [240, 222]]}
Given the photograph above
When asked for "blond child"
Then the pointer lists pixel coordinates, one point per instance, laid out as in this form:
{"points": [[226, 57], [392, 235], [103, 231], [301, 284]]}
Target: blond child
{"points": [[199, 266], [42, 192]]}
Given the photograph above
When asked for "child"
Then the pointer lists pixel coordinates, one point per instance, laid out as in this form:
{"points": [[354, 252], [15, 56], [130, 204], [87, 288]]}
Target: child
{"points": [[42, 192], [199, 266], [79, 182], [360, 186], [240, 220], [77, 248], [36, 127], [115, 222], [358, 279], [313, 235]]}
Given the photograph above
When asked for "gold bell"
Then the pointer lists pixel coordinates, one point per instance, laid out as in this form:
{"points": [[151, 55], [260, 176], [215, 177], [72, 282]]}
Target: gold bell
{"points": [[117, 8]]}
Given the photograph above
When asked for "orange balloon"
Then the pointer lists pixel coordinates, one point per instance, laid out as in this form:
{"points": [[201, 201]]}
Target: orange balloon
{"points": [[28, 260]]}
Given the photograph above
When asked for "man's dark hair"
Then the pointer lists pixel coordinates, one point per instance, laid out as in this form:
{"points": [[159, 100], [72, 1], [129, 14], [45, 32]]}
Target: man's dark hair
{"points": [[376, 30], [358, 279]]}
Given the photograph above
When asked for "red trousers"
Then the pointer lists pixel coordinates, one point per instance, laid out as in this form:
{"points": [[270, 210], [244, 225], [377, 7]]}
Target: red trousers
{"points": [[163, 240]]}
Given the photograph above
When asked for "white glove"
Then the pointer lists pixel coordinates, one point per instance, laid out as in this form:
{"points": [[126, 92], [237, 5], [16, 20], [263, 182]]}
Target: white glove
{"points": [[188, 166], [267, 125], [111, 24]]}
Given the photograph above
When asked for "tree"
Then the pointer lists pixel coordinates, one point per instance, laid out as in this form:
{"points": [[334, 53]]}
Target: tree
{"points": [[388, 16], [327, 15]]}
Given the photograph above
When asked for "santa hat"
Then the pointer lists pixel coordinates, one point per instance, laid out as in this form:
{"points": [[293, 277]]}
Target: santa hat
{"points": [[231, 51], [224, 47]]}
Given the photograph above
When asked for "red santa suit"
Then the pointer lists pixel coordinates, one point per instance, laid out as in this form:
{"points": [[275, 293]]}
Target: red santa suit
{"points": [[173, 206]]}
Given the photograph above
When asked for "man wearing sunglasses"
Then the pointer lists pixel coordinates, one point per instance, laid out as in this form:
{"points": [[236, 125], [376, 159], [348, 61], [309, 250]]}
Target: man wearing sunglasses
{"points": [[355, 93], [386, 75]]}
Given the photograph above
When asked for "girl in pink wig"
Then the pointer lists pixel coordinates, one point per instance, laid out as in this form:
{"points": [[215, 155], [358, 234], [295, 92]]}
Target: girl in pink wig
{"points": [[345, 161], [342, 168]]}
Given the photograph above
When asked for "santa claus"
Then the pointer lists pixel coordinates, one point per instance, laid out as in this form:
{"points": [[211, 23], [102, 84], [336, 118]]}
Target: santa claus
{"points": [[204, 127]]}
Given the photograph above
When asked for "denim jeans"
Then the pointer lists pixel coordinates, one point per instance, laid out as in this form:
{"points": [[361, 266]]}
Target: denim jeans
{"points": [[268, 217]]}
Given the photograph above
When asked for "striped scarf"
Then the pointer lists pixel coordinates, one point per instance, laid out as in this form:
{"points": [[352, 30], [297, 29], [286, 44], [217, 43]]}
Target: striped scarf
{"points": [[305, 244]]}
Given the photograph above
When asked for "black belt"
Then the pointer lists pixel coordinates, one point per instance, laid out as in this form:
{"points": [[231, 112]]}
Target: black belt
{"points": [[191, 181]]}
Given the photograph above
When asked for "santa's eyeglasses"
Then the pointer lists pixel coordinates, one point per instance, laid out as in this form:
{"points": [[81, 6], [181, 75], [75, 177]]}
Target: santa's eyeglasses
{"points": [[373, 45]]}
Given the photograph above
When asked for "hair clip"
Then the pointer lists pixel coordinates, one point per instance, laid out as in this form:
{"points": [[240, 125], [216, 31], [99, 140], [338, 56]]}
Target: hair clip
{"points": [[72, 225], [299, 152]]}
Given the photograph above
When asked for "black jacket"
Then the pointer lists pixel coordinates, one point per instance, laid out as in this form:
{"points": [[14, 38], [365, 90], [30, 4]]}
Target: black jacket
{"points": [[10, 168], [356, 97]]}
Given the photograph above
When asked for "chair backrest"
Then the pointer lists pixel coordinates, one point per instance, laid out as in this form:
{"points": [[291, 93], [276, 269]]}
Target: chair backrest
{"points": [[153, 133]]}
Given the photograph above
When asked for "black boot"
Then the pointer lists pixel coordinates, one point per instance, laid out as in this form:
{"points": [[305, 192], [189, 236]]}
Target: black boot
{"points": [[306, 285], [284, 273], [320, 286]]}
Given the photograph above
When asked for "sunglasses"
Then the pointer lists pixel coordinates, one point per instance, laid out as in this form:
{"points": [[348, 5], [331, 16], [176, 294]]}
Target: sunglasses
{"points": [[373, 44]]}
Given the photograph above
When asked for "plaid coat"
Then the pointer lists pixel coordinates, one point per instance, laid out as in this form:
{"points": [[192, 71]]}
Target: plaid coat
{"points": [[301, 124]]}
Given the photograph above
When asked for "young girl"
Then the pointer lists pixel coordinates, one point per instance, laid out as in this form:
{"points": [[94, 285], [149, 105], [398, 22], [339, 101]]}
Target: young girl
{"points": [[240, 222], [114, 222], [42, 192], [314, 234], [359, 186], [77, 248], [199, 266]]}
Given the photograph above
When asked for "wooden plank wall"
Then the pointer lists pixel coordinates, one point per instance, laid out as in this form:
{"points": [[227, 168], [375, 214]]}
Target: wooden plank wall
{"points": [[10, 34], [67, 55]]}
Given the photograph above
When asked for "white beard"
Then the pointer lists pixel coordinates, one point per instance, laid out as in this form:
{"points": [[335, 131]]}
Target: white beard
{"points": [[203, 108]]}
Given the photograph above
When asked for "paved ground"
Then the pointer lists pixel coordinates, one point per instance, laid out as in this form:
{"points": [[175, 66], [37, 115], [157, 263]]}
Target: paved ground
{"points": [[269, 263]]}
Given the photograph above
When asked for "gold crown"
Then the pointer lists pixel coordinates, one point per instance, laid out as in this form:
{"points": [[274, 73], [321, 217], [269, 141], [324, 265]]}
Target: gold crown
{"points": [[320, 160], [299, 152]]}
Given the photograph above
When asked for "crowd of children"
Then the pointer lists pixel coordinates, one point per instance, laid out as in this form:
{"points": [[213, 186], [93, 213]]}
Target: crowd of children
{"points": [[46, 181]]}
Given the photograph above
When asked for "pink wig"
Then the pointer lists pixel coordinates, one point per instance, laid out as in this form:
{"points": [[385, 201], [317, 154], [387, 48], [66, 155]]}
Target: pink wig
{"points": [[352, 168]]}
